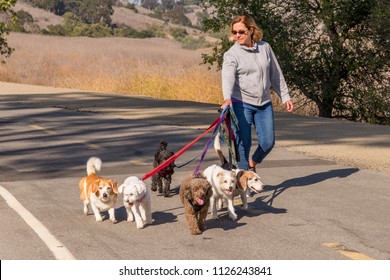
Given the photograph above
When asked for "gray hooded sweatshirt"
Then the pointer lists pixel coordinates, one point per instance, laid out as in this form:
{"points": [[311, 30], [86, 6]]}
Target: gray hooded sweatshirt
{"points": [[249, 73]]}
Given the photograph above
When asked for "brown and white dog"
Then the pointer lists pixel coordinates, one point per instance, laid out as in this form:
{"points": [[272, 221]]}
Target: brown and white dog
{"points": [[99, 192], [247, 181]]}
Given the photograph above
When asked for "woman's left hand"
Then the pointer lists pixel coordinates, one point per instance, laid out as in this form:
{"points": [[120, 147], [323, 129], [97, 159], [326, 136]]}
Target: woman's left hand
{"points": [[289, 106]]}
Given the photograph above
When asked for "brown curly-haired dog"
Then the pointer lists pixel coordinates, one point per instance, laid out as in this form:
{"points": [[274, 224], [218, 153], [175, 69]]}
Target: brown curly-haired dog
{"points": [[195, 193]]}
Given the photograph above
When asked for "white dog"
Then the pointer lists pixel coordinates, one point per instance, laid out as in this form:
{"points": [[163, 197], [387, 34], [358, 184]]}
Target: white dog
{"points": [[224, 183], [136, 199]]}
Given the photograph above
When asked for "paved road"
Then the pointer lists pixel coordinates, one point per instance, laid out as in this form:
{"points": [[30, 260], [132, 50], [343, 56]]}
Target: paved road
{"points": [[312, 208]]}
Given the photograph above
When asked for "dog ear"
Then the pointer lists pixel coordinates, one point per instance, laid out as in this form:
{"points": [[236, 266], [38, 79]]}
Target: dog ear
{"points": [[140, 187], [242, 180], [163, 145], [209, 192], [114, 186], [187, 193], [95, 187], [121, 187]]}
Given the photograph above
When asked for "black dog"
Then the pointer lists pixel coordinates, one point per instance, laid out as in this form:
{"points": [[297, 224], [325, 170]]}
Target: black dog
{"points": [[162, 179]]}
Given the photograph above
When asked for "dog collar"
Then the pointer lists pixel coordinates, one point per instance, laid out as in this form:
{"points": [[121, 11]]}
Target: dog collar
{"points": [[141, 198]]}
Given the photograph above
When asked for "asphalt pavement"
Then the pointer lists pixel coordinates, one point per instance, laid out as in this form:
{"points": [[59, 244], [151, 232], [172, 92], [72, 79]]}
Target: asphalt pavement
{"points": [[313, 208]]}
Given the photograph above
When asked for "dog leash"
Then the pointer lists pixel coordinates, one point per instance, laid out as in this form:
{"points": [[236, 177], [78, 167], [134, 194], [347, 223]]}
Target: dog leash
{"points": [[184, 164], [220, 119], [185, 148]]}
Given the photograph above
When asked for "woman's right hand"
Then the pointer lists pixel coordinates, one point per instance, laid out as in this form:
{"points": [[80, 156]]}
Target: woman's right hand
{"points": [[227, 102]]}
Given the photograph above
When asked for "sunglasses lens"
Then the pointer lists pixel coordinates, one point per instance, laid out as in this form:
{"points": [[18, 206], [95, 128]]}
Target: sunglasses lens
{"points": [[241, 32]]}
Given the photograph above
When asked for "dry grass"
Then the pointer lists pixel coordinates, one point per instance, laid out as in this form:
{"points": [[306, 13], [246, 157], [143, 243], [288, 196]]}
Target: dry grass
{"points": [[153, 67]]}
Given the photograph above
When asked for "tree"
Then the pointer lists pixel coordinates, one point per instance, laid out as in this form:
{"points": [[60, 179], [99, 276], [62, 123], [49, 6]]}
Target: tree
{"points": [[96, 11], [5, 50], [149, 4], [334, 52]]}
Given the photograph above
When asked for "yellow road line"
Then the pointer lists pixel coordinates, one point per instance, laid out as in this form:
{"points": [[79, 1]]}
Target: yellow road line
{"points": [[352, 254]]}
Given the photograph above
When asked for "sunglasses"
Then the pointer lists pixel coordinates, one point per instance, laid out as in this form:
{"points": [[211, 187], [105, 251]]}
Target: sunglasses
{"points": [[241, 32]]}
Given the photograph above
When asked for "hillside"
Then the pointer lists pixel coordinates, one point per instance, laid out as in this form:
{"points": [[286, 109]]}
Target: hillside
{"points": [[41, 17], [140, 20]]}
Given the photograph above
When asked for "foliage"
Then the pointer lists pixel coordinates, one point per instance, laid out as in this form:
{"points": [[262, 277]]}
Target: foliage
{"points": [[74, 26], [5, 49], [336, 53], [178, 33], [24, 23], [149, 4], [96, 11], [176, 15], [192, 43]]}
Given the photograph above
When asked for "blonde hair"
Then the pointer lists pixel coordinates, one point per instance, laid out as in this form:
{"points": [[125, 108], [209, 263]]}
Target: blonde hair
{"points": [[249, 22]]}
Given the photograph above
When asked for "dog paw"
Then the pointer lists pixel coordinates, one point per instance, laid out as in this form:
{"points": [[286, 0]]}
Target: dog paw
{"points": [[195, 232], [99, 219], [233, 217], [130, 219], [140, 226], [244, 207]]}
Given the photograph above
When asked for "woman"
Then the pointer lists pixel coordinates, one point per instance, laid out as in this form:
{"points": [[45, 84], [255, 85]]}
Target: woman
{"points": [[249, 71]]}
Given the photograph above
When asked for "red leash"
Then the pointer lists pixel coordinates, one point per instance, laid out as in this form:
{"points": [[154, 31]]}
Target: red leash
{"points": [[179, 153]]}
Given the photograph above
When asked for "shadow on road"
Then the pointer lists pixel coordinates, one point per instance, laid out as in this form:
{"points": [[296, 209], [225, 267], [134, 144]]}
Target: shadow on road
{"points": [[308, 180]]}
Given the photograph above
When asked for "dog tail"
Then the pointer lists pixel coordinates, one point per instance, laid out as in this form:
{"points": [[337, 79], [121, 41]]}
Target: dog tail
{"points": [[93, 164], [218, 150]]}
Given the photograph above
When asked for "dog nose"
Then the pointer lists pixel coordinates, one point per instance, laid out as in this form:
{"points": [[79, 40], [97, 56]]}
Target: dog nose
{"points": [[104, 195]]}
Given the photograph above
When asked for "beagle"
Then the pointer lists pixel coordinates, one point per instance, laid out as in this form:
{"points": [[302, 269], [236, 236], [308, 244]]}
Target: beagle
{"points": [[97, 191]]}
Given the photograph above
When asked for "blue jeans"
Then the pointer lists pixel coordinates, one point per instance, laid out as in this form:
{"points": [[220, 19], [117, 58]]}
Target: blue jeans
{"points": [[263, 119]]}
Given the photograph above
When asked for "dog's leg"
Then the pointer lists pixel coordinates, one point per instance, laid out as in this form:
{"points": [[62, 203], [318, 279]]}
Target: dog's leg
{"points": [[130, 216], [86, 208], [167, 186], [160, 184], [192, 221], [138, 220], [154, 183], [202, 217], [96, 211], [231, 211], [244, 200], [213, 208], [111, 213], [146, 210], [219, 203]]}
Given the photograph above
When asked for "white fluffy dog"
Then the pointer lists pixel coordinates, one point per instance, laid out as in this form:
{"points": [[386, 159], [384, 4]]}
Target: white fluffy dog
{"points": [[224, 183], [136, 199]]}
